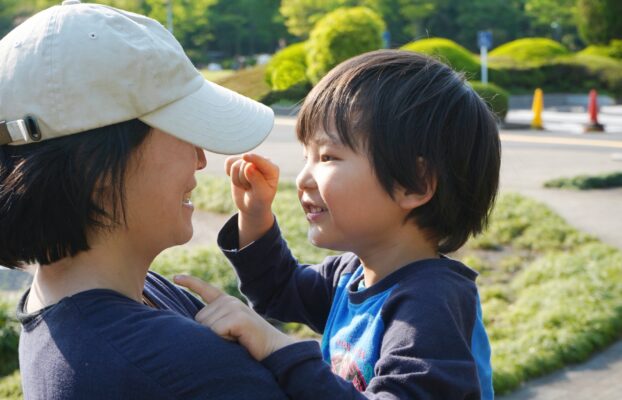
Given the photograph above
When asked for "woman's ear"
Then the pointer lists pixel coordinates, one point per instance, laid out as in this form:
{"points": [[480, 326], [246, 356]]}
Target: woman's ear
{"points": [[411, 199]]}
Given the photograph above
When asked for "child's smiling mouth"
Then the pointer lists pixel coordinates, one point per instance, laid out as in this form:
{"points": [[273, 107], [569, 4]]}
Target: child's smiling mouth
{"points": [[313, 211]]}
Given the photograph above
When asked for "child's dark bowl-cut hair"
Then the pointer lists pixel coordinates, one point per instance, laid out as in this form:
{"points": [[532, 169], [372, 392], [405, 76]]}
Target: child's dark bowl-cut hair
{"points": [[419, 122]]}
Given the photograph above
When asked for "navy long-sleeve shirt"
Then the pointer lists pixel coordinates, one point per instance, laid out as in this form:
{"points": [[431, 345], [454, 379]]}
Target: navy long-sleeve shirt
{"points": [[416, 334], [99, 344]]}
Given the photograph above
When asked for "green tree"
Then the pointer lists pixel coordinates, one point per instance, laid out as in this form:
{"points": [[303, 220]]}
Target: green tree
{"points": [[460, 21], [404, 17], [301, 15], [556, 19], [191, 23], [7, 15], [13, 12], [246, 26], [545, 12], [599, 20], [340, 35], [401, 16]]}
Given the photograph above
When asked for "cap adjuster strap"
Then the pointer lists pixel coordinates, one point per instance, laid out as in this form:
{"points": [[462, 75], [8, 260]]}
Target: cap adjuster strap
{"points": [[19, 131]]}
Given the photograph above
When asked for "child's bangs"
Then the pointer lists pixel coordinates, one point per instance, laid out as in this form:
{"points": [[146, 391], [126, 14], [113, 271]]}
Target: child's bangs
{"points": [[330, 109]]}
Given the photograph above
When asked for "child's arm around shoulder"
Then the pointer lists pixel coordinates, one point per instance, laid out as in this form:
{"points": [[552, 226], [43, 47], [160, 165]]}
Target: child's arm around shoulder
{"points": [[424, 351]]}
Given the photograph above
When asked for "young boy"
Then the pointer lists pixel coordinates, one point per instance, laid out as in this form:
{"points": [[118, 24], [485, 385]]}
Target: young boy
{"points": [[402, 165]]}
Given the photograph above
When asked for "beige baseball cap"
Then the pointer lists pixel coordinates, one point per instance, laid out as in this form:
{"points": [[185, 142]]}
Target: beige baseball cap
{"points": [[76, 67]]}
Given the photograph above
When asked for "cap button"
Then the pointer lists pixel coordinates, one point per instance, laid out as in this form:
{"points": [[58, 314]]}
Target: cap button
{"points": [[70, 2]]}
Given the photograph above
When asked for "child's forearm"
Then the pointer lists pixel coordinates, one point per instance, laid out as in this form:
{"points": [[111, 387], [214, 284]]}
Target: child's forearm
{"points": [[253, 227]]}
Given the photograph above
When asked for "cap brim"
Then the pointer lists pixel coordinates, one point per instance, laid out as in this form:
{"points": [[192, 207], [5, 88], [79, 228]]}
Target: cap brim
{"points": [[216, 119]]}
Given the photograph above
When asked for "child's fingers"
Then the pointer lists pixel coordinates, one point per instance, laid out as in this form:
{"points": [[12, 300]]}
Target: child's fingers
{"points": [[214, 311], [229, 163], [224, 316], [207, 292], [237, 175], [223, 328], [268, 169], [242, 175]]}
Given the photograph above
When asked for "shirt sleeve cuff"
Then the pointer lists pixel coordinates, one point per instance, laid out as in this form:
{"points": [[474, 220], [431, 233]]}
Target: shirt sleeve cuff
{"points": [[228, 242], [283, 361]]}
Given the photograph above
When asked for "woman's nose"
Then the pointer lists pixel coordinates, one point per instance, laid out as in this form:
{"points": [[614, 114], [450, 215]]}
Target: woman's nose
{"points": [[201, 160]]}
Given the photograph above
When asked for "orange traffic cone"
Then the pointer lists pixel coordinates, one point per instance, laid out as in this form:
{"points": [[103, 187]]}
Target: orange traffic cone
{"points": [[592, 108], [536, 108]]}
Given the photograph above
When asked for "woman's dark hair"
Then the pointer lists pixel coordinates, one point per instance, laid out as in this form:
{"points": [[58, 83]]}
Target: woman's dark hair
{"points": [[419, 123], [53, 193]]}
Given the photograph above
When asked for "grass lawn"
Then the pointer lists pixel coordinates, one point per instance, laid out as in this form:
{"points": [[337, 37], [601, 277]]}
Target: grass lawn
{"points": [[217, 76], [249, 82], [587, 182], [551, 295]]}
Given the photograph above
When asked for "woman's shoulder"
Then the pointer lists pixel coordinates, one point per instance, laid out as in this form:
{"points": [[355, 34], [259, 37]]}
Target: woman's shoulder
{"points": [[156, 348]]}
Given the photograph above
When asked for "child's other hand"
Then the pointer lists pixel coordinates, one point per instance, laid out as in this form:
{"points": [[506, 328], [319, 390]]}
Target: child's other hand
{"points": [[254, 181], [234, 320]]}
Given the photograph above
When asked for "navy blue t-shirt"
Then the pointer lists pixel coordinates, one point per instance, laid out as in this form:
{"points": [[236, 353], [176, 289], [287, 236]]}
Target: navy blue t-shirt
{"points": [[416, 334], [99, 344]]}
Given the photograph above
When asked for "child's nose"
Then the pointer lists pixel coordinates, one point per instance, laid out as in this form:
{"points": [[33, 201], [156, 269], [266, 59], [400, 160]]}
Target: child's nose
{"points": [[305, 180]]}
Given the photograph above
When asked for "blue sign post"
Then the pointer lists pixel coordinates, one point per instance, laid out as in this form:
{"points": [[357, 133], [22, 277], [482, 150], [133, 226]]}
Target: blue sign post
{"points": [[386, 39], [484, 41]]}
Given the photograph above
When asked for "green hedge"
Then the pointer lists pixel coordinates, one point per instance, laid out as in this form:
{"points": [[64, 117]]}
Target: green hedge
{"points": [[613, 50], [569, 74], [339, 35], [528, 51], [449, 52], [498, 99]]}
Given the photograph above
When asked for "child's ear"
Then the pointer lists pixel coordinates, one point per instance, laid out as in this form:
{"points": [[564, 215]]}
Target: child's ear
{"points": [[410, 199]]}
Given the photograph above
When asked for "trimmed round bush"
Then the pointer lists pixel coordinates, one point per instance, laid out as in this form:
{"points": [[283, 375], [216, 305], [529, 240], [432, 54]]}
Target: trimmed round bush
{"points": [[497, 99], [288, 74], [294, 54], [339, 35], [449, 52], [528, 51]]}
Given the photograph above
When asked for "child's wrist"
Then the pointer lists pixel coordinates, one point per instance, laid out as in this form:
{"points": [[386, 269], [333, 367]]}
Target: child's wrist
{"points": [[254, 226], [279, 341], [262, 220]]}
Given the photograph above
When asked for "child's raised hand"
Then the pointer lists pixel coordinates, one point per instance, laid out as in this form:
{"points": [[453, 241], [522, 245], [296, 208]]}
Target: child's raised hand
{"points": [[233, 320], [254, 181]]}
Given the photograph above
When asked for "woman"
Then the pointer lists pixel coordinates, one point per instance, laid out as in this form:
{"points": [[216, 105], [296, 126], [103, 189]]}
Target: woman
{"points": [[103, 122]]}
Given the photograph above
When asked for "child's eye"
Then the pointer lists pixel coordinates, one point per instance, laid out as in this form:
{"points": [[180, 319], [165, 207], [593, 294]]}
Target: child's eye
{"points": [[326, 158]]}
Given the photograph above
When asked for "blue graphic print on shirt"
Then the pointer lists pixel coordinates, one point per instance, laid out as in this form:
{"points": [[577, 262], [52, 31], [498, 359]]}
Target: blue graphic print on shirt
{"points": [[353, 334]]}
